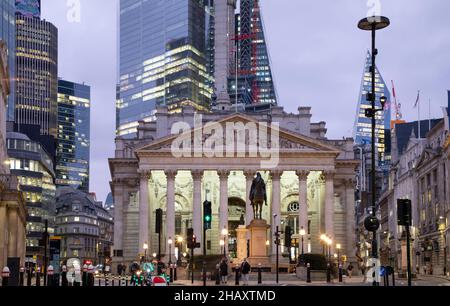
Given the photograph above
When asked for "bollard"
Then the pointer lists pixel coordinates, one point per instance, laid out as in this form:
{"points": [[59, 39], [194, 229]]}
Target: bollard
{"points": [[175, 272], [237, 275], [328, 273], [126, 281], [259, 274], [5, 276], [217, 275], [393, 278], [38, 277], [29, 276], [204, 273], [120, 280], [84, 276], [90, 276], [50, 273], [21, 276], [308, 273], [340, 273], [64, 281], [112, 281], [171, 272], [106, 281]]}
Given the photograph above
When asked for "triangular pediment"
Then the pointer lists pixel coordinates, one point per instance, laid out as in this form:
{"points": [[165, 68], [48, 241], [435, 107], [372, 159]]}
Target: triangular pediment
{"points": [[288, 140]]}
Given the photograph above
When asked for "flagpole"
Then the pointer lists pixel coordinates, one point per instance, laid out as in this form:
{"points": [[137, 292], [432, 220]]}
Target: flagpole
{"points": [[418, 115], [429, 114]]}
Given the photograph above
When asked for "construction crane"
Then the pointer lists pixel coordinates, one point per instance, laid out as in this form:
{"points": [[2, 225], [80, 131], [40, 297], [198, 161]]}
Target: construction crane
{"points": [[398, 106]]}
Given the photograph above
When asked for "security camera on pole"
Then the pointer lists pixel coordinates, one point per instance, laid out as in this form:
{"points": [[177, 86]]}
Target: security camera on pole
{"points": [[371, 223]]}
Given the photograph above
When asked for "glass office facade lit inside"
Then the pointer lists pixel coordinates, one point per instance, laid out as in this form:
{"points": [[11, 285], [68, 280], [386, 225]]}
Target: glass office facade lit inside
{"points": [[72, 154], [162, 59], [36, 73], [8, 35], [33, 167], [363, 125]]}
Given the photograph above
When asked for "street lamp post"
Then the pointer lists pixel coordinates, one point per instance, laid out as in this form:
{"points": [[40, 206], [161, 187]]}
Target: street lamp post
{"points": [[170, 241], [225, 239], [323, 239], [145, 251], [222, 246], [302, 234], [373, 24], [180, 248]]}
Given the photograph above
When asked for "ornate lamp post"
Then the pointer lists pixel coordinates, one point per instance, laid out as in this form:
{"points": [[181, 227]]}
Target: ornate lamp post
{"points": [[338, 247], [145, 246], [180, 248], [222, 245], [302, 234], [372, 223], [170, 242], [225, 239], [323, 239]]}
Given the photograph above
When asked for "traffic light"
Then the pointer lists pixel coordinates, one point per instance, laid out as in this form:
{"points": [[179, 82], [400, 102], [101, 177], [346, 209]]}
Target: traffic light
{"points": [[288, 237], [158, 223], [190, 238], [207, 215]]}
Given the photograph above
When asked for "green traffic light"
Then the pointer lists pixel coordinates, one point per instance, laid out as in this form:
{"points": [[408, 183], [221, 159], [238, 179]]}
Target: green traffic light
{"points": [[207, 218]]}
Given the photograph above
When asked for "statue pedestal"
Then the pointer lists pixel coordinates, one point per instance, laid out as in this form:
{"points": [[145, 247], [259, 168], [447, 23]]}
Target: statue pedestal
{"points": [[241, 233], [258, 248]]}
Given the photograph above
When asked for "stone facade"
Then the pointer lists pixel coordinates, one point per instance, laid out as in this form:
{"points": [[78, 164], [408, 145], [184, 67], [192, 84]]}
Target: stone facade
{"points": [[12, 204], [311, 187], [420, 174]]}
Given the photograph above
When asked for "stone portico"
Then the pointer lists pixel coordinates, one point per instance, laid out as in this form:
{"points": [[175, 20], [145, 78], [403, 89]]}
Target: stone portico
{"points": [[311, 186]]}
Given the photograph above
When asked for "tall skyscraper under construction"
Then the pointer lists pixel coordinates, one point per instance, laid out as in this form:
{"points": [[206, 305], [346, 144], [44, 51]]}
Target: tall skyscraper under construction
{"points": [[255, 89]]}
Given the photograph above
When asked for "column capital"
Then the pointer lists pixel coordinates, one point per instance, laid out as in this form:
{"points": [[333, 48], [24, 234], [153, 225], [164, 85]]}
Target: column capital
{"points": [[197, 174], [145, 174], [223, 174], [349, 182], [249, 174], [170, 174], [329, 174], [302, 174], [276, 174]]}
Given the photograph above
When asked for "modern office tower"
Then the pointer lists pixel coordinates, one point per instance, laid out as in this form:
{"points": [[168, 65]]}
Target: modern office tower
{"points": [[8, 35], [363, 124], [29, 8], [33, 167], [254, 77], [73, 142], [36, 74], [162, 60], [224, 44]]}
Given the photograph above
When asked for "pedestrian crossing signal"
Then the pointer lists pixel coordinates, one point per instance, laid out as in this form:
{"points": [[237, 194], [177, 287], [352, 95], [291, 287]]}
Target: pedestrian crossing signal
{"points": [[207, 215]]}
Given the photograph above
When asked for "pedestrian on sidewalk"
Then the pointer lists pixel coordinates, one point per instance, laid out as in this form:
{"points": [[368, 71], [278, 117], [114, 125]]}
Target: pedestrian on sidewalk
{"points": [[245, 271], [350, 270], [223, 271]]}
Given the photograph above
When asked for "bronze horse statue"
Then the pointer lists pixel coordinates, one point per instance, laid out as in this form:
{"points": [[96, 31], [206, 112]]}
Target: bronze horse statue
{"points": [[258, 196]]}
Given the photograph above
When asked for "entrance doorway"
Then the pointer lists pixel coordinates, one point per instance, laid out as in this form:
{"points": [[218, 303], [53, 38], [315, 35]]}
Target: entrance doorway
{"points": [[236, 217]]}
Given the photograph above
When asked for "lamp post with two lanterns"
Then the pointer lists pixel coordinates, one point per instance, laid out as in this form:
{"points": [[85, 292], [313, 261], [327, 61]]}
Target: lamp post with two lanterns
{"points": [[224, 241]]}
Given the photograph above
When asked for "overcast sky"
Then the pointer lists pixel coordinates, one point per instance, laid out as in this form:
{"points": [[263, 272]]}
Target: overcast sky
{"points": [[317, 56]]}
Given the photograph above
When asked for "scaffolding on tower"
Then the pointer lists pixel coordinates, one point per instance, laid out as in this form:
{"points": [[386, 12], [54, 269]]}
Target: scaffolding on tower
{"points": [[246, 41]]}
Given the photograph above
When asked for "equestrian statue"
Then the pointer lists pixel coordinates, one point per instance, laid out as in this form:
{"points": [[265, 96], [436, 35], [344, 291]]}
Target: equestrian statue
{"points": [[258, 196]]}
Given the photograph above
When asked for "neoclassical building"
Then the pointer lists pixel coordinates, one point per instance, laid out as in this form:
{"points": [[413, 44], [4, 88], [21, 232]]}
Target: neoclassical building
{"points": [[310, 185]]}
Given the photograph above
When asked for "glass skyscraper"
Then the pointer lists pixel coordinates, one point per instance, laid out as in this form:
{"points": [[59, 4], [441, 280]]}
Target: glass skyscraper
{"points": [[363, 124], [72, 153], [36, 73], [163, 60], [29, 8], [8, 35]]}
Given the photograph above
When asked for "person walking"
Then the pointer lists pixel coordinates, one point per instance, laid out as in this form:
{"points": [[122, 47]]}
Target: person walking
{"points": [[245, 271], [350, 270], [223, 271]]}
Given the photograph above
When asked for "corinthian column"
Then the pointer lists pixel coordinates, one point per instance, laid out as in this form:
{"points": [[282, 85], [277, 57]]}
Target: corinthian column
{"points": [[329, 204], [350, 217], [276, 209], [223, 208], [143, 211], [170, 210], [303, 199], [197, 208]]}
